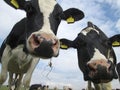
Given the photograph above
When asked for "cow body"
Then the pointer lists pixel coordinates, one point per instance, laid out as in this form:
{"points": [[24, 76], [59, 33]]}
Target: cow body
{"points": [[96, 57], [32, 38], [36, 87]]}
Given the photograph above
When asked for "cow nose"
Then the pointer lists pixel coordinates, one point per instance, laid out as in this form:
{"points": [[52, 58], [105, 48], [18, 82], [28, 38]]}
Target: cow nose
{"points": [[93, 65], [44, 45], [38, 39]]}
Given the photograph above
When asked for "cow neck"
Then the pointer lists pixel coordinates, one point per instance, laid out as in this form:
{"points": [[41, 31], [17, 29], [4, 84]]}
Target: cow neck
{"points": [[26, 37], [26, 30]]}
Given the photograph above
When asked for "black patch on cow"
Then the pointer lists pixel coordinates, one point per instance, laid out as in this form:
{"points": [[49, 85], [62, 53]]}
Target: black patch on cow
{"points": [[17, 35], [44, 50], [2, 49], [55, 18], [35, 86]]}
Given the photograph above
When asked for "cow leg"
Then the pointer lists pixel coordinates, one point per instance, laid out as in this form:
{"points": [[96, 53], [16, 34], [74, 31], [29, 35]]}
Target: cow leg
{"points": [[98, 86], [5, 60], [107, 86], [28, 75], [18, 83], [89, 86], [10, 81], [103, 86]]}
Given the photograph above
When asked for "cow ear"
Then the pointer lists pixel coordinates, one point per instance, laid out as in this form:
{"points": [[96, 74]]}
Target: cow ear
{"points": [[17, 4], [116, 44], [71, 15], [65, 43], [115, 40]]}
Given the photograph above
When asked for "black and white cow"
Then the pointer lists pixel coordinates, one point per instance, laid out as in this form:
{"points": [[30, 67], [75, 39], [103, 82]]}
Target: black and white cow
{"points": [[36, 87], [96, 57], [32, 38]]}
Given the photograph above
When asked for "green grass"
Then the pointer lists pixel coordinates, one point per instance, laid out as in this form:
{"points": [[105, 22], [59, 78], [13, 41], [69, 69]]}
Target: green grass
{"points": [[3, 88], [6, 88]]}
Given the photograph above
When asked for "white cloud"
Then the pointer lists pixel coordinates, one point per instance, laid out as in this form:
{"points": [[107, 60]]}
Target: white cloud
{"points": [[118, 24]]}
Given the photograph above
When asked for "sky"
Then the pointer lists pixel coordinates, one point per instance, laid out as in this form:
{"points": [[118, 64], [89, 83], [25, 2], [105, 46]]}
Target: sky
{"points": [[65, 72]]}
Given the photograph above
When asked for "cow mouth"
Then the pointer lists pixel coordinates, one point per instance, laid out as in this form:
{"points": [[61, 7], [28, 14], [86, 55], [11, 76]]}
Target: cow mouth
{"points": [[95, 77], [101, 73], [43, 47]]}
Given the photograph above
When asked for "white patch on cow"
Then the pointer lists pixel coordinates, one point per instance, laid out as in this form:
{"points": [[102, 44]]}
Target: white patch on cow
{"points": [[97, 56], [13, 87], [39, 88], [87, 30], [111, 59], [46, 7], [14, 58], [20, 58]]}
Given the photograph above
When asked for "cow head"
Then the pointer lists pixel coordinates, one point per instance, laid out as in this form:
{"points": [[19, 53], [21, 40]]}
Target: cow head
{"points": [[41, 24], [96, 57]]}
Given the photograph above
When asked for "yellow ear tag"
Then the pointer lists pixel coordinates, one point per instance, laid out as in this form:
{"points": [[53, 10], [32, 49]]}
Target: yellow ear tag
{"points": [[63, 46], [70, 20], [116, 43], [14, 2]]}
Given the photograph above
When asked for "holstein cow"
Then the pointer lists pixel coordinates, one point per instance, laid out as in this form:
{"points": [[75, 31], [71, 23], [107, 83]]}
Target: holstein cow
{"points": [[66, 88], [36, 87], [96, 57], [32, 38]]}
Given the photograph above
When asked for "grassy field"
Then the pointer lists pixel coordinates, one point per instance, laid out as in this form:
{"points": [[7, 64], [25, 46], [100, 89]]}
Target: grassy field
{"points": [[6, 88]]}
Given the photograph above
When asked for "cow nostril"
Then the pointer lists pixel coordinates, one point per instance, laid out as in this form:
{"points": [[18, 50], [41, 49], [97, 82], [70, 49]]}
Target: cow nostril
{"points": [[55, 41], [109, 66], [92, 67], [37, 39]]}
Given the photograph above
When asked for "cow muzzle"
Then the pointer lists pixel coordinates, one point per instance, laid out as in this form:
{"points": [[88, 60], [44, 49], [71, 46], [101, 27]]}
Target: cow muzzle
{"points": [[101, 71], [43, 45]]}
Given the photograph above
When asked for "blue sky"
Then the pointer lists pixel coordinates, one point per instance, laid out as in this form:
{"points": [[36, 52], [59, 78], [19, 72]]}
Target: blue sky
{"points": [[104, 13]]}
